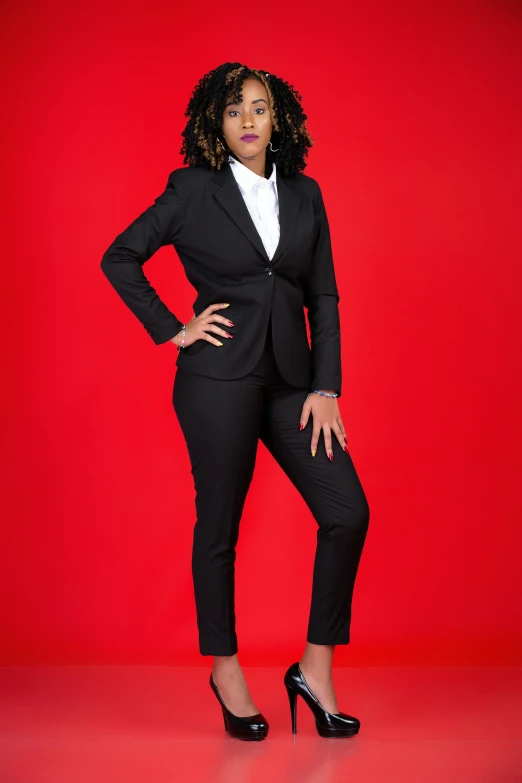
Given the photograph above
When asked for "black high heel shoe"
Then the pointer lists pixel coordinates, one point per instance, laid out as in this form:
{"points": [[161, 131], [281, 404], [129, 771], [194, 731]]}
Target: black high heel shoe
{"points": [[252, 727], [328, 724]]}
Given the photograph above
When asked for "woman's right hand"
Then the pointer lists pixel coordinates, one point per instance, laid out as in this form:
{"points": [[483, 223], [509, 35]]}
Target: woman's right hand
{"points": [[197, 326]]}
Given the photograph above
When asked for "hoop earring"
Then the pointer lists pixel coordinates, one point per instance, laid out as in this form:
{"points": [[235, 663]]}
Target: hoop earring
{"points": [[271, 148]]}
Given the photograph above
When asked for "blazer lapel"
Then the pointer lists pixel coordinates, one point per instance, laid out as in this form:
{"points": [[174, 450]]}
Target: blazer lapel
{"points": [[229, 196], [289, 205]]}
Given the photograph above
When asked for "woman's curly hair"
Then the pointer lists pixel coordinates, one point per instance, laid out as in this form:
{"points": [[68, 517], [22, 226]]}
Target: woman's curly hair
{"points": [[290, 136]]}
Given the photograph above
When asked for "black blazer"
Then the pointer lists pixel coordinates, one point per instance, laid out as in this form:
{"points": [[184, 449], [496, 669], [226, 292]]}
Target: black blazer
{"points": [[203, 215]]}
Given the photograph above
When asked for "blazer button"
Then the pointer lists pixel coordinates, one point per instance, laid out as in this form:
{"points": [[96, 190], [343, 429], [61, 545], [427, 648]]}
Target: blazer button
{"points": [[268, 271]]}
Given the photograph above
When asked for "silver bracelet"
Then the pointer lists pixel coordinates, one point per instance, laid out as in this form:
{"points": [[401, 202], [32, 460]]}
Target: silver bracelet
{"points": [[323, 394], [183, 333]]}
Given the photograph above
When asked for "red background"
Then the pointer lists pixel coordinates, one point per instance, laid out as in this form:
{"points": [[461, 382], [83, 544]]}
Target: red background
{"points": [[416, 114]]}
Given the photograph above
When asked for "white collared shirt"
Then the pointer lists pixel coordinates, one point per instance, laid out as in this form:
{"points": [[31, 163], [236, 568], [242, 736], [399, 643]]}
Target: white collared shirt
{"points": [[260, 196]]}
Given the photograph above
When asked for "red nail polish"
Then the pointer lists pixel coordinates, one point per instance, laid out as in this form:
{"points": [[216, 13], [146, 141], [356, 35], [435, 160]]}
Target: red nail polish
{"points": [[330, 456], [228, 334], [345, 448], [301, 427], [230, 323]]}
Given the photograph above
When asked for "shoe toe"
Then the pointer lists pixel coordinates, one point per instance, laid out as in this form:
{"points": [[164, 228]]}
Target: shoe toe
{"points": [[349, 720], [251, 724], [257, 722]]}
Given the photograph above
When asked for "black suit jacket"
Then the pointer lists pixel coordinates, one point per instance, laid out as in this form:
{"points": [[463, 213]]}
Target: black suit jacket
{"points": [[203, 215]]}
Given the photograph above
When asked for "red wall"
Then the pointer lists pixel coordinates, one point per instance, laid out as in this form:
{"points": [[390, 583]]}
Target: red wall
{"points": [[416, 114]]}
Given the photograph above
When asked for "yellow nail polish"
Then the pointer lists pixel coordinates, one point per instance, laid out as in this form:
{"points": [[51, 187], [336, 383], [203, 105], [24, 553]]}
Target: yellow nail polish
{"points": [[226, 305], [314, 451], [219, 342]]}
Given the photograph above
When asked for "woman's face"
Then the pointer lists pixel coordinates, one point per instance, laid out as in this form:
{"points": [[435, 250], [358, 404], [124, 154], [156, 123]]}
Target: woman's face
{"points": [[247, 126]]}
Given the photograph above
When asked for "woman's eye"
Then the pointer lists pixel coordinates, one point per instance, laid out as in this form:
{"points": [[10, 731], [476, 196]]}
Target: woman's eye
{"points": [[234, 111]]}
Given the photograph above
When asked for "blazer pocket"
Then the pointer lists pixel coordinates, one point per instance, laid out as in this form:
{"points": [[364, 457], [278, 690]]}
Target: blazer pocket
{"points": [[300, 328]]}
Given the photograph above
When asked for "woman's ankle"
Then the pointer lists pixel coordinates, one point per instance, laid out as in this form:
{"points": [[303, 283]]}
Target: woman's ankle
{"points": [[317, 660], [226, 663]]}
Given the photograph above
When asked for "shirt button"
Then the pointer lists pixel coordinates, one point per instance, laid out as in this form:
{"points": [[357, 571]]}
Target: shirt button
{"points": [[268, 271]]}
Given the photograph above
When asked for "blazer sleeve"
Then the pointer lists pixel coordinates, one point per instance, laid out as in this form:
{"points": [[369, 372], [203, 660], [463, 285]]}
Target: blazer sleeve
{"points": [[321, 300], [122, 262]]}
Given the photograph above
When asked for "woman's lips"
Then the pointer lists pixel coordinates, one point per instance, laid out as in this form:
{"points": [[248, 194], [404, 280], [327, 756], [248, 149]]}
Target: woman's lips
{"points": [[249, 137]]}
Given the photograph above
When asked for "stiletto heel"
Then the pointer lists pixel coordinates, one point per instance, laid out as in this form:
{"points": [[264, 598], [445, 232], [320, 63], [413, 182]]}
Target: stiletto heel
{"points": [[292, 698], [328, 724], [252, 727]]}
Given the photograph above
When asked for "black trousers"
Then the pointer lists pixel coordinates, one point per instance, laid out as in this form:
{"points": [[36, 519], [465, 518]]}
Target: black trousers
{"points": [[222, 422]]}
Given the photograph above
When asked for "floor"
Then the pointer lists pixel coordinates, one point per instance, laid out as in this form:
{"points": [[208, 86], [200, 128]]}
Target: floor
{"points": [[159, 724]]}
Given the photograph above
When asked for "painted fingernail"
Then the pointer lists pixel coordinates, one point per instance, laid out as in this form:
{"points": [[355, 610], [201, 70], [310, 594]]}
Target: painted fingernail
{"points": [[345, 439], [314, 452], [219, 342], [301, 427], [228, 334], [230, 323], [346, 449], [330, 456]]}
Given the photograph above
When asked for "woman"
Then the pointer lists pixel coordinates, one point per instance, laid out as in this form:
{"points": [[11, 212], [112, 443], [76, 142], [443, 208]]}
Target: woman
{"points": [[252, 234]]}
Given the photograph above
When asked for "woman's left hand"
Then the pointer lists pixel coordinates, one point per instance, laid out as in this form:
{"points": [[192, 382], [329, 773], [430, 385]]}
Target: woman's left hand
{"points": [[326, 417]]}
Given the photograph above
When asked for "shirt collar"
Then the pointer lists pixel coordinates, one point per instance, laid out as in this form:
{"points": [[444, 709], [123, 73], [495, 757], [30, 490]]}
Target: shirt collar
{"points": [[247, 179]]}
